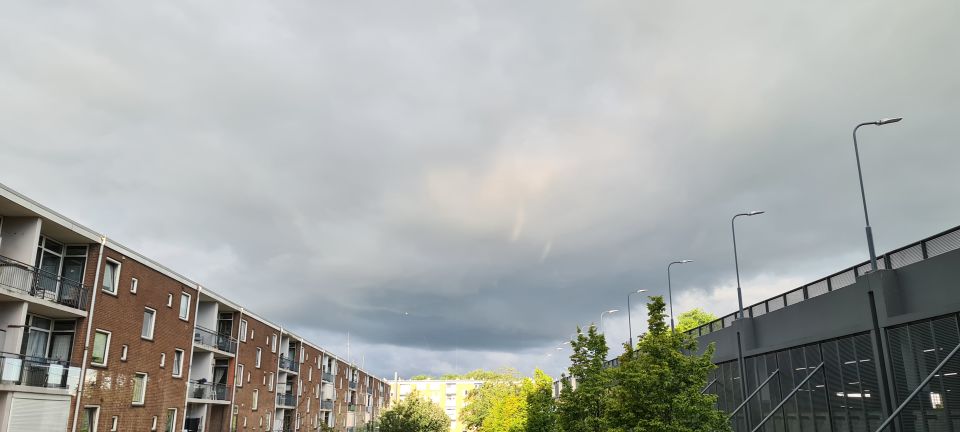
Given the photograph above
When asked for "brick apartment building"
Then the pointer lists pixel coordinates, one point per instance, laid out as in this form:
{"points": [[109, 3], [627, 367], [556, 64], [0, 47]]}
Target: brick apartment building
{"points": [[97, 338]]}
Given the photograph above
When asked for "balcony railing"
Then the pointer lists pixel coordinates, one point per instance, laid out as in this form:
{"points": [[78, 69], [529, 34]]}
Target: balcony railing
{"points": [[37, 371], [352, 407], [353, 385], [286, 400], [38, 283], [207, 390], [326, 405], [212, 339], [289, 364], [327, 376], [929, 247]]}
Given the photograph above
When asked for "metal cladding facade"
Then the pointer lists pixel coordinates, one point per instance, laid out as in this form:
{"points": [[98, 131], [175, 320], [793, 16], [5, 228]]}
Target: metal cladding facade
{"points": [[852, 352]]}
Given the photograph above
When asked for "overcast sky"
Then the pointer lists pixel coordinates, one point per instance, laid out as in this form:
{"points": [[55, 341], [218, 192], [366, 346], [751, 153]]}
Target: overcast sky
{"points": [[458, 184]]}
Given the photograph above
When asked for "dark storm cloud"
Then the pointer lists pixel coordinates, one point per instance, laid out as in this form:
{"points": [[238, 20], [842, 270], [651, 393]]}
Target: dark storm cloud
{"points": [[458, 184]]}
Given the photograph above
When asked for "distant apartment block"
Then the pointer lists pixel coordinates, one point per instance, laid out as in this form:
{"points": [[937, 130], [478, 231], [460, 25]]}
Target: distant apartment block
{"points": [[451, 395], [98, 338]]}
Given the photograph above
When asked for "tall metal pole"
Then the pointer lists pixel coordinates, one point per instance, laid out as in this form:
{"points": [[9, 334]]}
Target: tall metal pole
{"points": [[629, 320], [670, 288], [863, 195], [736, 259]]}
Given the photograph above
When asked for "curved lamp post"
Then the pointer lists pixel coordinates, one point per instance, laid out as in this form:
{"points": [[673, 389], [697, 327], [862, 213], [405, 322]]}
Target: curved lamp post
{"points": [[670, 287], [736, 261], [863, 195], [602, 328], [629, 321]]}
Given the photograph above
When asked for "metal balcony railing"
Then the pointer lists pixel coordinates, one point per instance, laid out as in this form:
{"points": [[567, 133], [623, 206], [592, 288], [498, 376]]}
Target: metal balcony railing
{"points": [[206, 390], [286, 400], [289, 364], [353, 385], [327, 376], [352, 407], [212, 339], [37, 371], [927, 248], [326, 405], [38, 283]]}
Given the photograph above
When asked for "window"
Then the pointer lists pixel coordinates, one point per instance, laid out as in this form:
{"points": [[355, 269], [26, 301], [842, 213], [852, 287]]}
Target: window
{"points": [[171, 420], [133, 290], [185, 306], [113, 423], [163, 359], [177, 363], [256, 399], [153, 424], [149, 319], [243, 330], [273, 343], [111, 276], [101, 348], [257, 362], [270, 382], [251, 334], [169, 300], [310, 374], [89, 419], [123, 353], [139, 388], [240, 374]]}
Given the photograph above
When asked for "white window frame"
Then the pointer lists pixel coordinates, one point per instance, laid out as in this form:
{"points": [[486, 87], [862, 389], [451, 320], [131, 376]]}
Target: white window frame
{"points": [[153, 324], [113, 423], [259, 355], [106, 349], [174, 419], [143, 397], [240, 374], [178, 364], [273, 343], [163, 360], [170, 300], [189, 302], [256, 400], [243, 330], [153, 424], [134, 283], [96, 416], [270, 382], [123, 352], [116, 277]]}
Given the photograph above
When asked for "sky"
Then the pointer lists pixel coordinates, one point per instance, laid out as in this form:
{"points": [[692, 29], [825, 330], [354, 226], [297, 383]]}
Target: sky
{"points": [[459, 184]]}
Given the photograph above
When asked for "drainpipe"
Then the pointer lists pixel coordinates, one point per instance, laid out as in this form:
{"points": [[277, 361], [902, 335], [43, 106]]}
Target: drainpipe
{"points": [[86, 341], [186, 390], [236, 368]]}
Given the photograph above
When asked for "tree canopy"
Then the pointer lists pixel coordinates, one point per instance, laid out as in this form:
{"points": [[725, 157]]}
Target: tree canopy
{"points": [[510, 404], [414, 414], [693, 318]]}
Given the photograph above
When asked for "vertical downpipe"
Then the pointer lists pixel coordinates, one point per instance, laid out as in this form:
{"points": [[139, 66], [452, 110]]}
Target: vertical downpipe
{"points": [[86, 341], [743, 379], [881, 355]]}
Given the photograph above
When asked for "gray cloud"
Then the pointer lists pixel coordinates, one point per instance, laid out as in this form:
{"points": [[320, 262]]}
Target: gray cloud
{"points": [[501, 171]]}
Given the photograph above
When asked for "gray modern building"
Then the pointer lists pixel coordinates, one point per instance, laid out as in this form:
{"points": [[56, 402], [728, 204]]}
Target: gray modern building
{"points": [[851, 351]]}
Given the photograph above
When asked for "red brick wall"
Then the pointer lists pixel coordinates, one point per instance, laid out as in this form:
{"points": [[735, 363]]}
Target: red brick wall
{"points": [[111, 387], [247, 357]]}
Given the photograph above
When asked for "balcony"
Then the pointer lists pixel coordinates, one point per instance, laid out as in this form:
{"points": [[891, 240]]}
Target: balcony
{"points": [[289, 364], [353, 385], [213, 340], [32, 281], [286, 400], [326, 405], [352, 407], [327, 376], [18, 369], [207, 391]]}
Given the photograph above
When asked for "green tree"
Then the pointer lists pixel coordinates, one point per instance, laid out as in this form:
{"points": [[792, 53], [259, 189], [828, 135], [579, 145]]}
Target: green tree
{"points": [[693, 318], [582, 410], [541, 412], [414, 414], [658, 384]]}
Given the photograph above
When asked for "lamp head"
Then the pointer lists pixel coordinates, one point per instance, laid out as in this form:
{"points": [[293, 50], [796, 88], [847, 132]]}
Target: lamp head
{"points": [[640, 291], [882, 122], [756, 212], [613, 310], [685, 261]]}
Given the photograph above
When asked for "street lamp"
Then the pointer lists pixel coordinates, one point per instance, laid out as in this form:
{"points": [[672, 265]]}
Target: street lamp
{"points": [[863, 195], [629, 321], [670, 288], [602, 328], [736, 261]]}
